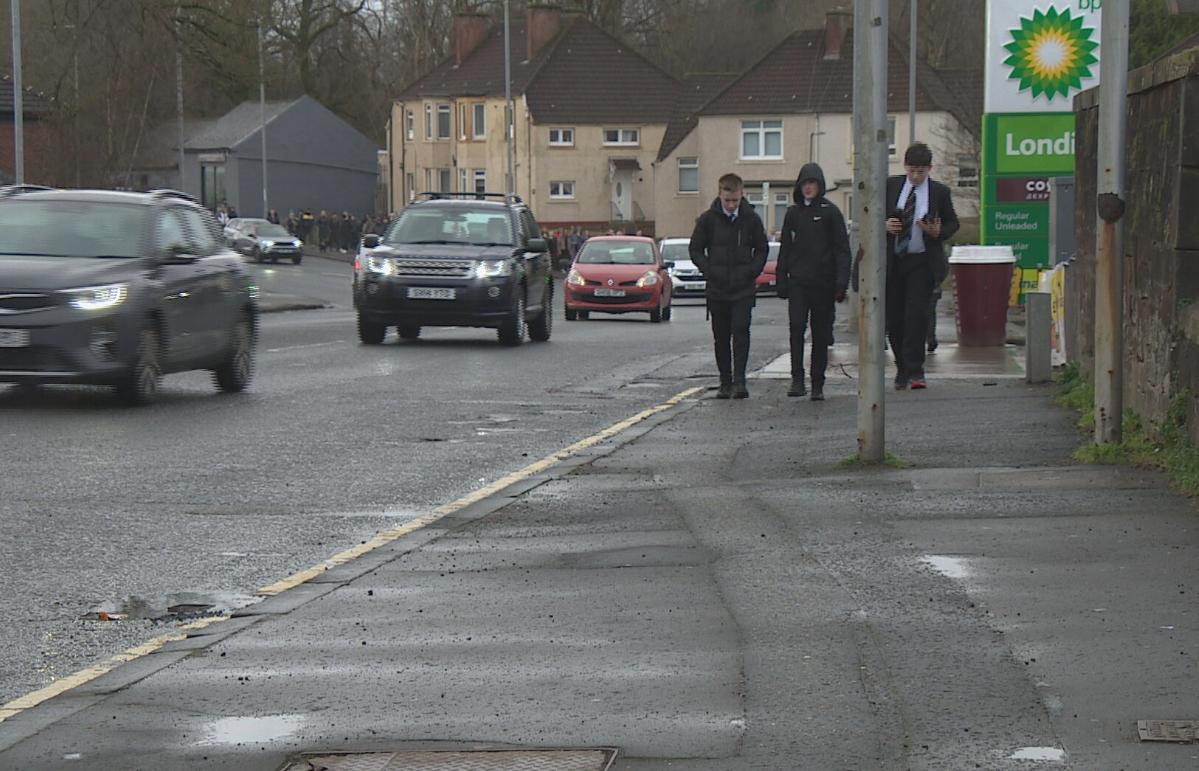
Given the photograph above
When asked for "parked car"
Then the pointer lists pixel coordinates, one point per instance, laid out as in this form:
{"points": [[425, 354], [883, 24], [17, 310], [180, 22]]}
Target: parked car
{"points": [[685, 278], [618, 274], [115, 288], [767, 281], [456, 259], [261, 241]]}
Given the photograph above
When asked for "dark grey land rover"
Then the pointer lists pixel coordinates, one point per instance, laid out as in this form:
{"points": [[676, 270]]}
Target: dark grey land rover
{"points": [[456, 259]]}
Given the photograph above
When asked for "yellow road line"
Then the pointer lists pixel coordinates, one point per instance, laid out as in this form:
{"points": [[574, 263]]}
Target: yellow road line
{"points": [[79, 678], [65, 684]]}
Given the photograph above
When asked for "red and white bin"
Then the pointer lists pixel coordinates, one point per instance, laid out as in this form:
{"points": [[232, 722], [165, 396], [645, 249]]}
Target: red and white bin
{"points": [[982, 284]]}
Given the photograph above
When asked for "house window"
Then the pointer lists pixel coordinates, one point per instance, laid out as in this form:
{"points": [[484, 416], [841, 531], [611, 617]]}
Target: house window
{"points": [[445, 180], [462, 121], [628, 136], [462, 180], [562, 190], [480, 122], [762, 140], [688, 175], [411, 186], [428, 122], [967, 170], [443, 121], [562, 137], [480, 176], [430, 179], [891, 135], [411, 124]]}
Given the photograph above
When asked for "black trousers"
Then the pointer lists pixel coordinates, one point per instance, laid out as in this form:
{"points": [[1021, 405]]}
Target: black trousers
{"points": [[730, 332], [815, 305], [909, 299]]}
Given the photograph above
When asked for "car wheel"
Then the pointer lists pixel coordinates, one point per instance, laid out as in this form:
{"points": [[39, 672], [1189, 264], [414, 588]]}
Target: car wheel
{"points": [[369, 332], [584, 315], [656, 314], [512, 330], [571, 314], [408, 331], [295, 260], [233, 374], [256, 254], [140, 384], [666, 313], [542, 326]]}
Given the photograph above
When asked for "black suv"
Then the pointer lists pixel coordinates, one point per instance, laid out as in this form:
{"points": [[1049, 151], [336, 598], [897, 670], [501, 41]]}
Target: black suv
{"points": [[456, 259], [116, 288]]}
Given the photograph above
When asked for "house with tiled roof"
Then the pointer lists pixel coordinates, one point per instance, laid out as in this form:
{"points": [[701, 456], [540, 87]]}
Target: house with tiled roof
{"points": [[37, 137], [590, 115], [795, 105]]}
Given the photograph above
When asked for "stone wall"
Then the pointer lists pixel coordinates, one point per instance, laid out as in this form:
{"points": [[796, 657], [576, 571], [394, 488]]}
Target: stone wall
{"points": [[1161, 227]]}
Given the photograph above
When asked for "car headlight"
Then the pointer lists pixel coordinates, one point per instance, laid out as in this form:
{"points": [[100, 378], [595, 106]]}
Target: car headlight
{"points": [[97, 298], [382, 265], [649, 279], [493, 268], [575, 278], [267, 244]]}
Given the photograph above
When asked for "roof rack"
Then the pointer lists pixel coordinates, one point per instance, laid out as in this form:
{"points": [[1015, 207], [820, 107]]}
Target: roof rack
{"points": [[166, 192], [506, 197], [10, 190]]}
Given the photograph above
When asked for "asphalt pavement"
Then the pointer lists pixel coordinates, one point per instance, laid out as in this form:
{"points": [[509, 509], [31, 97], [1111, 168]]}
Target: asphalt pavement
{"points": [[713, 585]]}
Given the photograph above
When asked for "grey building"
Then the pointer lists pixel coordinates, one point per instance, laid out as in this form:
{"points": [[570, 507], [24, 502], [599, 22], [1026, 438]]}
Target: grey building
{"points": [[314, 160]]}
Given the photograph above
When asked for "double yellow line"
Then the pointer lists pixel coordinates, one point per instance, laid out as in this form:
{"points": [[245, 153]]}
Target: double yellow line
{"points": [[65, 684]]}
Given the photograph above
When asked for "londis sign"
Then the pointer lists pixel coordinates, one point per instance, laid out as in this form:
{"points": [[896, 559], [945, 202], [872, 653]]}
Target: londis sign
{"points": [[1037, 144]]}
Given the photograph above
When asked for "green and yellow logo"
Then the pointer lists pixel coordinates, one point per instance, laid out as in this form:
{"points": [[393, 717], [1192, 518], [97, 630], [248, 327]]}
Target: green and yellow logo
{"points": [[1051, 53]]}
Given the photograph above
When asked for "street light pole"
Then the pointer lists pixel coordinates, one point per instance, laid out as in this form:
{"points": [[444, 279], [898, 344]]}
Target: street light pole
{"points": [[912, 75], [510, 122], [179, 101], [262, 107], [18, 96]]}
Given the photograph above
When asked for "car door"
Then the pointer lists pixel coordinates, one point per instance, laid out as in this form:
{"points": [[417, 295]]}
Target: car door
{"points": [[181, 294], [537, 264], [214, 285]]}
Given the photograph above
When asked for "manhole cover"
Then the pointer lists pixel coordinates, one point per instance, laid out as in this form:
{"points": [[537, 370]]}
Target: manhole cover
{"points": [[1167, 730], [502, 760]]}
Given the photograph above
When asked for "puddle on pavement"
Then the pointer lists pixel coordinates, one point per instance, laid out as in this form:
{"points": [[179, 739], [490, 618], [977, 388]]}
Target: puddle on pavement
{"points": [[951, 567], [179, 605], [250, 730], [1039, 753]]}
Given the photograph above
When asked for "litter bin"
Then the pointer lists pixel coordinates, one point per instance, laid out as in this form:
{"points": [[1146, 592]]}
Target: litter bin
{"points": [[982, 283]]}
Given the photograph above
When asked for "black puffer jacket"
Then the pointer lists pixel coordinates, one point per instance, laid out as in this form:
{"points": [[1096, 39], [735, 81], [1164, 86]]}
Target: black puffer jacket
{"points": [[814, 248], [730, 253]]}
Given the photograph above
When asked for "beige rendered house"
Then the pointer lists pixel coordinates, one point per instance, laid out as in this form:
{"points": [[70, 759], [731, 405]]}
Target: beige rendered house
{"points": [[590, 117], [795, 105]]}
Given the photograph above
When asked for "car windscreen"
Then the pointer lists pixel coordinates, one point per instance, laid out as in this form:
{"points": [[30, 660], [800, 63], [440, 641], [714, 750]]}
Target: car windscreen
{"points": [[61, 228], [616, 253], [675, 252], [271, 230], [434, 225]]}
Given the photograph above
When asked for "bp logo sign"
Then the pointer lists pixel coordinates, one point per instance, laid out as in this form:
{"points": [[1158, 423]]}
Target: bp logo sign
{"points": [[1051, 53]]}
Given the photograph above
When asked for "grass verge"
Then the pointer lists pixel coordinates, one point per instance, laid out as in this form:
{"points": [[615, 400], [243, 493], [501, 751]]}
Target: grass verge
{"points": [[1173, 452], [889, 460]]}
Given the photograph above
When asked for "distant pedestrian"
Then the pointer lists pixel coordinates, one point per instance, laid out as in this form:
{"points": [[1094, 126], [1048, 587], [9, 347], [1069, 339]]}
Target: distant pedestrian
{"points": [[729, 247], [813, 274], [576, 241], [307, 221], [324, 229], [921, 220], [272, 216]]}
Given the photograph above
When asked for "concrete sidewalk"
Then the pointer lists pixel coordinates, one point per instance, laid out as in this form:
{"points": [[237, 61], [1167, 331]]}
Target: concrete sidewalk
{"points": [[710, 588]]}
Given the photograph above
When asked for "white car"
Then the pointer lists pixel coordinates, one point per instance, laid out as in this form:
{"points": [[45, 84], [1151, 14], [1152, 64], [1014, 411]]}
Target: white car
{"points": [[684, 276]]}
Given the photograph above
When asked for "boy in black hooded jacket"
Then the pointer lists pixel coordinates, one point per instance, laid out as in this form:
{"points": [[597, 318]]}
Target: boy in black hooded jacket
{"points": [[813, 274]]}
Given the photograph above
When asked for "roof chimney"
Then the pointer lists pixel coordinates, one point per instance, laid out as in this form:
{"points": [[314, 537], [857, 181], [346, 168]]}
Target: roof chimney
{"points": [[470, 29], [543, 20], [837, 22]]}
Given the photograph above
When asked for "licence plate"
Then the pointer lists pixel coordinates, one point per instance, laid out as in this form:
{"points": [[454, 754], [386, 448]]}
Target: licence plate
{"points": [[14, 338], [430, 293], [693, 285], [609, 293]]}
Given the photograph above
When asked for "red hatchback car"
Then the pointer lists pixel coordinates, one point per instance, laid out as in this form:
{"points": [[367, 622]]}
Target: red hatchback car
{"points": [[767, 282], [618, 274]]}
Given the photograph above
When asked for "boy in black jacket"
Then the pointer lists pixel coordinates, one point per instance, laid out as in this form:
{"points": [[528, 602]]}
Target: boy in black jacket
{"points": [[729, 247], [813, 274]]}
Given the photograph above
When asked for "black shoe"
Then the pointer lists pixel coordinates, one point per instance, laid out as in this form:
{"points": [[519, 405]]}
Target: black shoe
{"points": [[901, 382], [797, 388], [818, 392], [932, 345], [740, 391], [725, 391]]}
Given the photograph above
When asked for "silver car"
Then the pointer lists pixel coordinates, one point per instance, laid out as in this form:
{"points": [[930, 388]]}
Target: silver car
{"points": [[686, 279]]}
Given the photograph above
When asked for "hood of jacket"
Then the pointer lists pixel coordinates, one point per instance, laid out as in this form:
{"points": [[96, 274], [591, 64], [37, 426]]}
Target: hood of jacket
{"points": [[809, 171], [745, 207]]}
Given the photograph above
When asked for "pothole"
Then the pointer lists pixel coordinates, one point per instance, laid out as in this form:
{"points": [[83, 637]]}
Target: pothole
{"points": [[448, 760], [172, 606]]}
